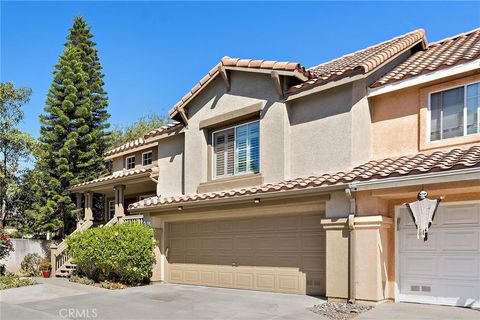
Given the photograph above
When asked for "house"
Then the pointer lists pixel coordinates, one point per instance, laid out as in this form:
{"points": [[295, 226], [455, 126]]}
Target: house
{"points": [[287, 179]]}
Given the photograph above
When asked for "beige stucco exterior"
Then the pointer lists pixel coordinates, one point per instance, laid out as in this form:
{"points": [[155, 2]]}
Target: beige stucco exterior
{"points": [[331, 130], [400, 119]]}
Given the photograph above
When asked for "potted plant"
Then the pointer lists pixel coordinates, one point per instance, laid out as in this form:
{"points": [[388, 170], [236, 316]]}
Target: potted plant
{"points": [[46, 268]]}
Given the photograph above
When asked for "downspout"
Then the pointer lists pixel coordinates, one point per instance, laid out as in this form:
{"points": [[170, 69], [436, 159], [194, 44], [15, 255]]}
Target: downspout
{"points": [[350, 193]]}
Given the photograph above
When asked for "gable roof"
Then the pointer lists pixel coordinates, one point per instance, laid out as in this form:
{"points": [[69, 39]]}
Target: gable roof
{"points": [[422, 163], [294, 68], [438, 55], [362, 61], [143, 141]]}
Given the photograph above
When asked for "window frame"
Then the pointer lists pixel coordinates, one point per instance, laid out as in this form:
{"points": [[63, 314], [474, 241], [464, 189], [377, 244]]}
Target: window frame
{"points": [[126, 162], [213, 158], [151, 158], [110, 213], [465, 114]]}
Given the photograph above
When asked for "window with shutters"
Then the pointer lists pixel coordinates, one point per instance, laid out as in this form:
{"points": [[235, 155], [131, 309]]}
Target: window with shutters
{"points": [[236, 150]]}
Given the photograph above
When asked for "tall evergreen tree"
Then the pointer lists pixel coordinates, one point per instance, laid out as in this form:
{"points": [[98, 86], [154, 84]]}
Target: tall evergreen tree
{"points": [[91, 164], [73, 129], [63, 132]]}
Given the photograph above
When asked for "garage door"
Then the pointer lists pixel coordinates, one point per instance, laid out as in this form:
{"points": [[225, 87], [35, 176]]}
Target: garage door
{"points": [[445, 269], [279, 254]]}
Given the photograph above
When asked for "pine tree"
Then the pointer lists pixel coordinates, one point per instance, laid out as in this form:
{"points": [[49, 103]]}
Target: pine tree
{"points": [[95, 141], [73, 130], [63, 131]]}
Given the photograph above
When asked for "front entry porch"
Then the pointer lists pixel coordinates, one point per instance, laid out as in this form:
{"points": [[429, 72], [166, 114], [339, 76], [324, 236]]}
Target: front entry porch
{"points": [[116, 192]]}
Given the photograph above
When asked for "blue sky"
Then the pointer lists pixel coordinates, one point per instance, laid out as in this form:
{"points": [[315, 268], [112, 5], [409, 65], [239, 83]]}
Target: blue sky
{"points": [[154, 52]]}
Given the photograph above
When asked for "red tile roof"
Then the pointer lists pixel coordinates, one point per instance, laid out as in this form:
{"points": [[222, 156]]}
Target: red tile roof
{"points": [[117, 176], [360, 62], [438, 55], [373, 170], [145, 139], [240, 63]]}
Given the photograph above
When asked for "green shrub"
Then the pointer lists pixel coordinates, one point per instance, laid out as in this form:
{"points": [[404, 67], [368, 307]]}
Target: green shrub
{"points": [[13, 281], [120, 253], [30, 265]]}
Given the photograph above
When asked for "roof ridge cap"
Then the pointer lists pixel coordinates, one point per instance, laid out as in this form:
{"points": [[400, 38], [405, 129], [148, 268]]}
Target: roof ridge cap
{"points": [[454, 37], [421, 30]]}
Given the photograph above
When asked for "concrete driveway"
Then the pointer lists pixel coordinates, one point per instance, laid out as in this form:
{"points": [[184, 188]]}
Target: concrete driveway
{"points": [[59, 299], [415, 311]]}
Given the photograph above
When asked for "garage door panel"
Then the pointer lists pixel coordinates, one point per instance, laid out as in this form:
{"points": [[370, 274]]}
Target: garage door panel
{"points": [[463, 240], [270, 253], [313, 242], [464, 214], [409, 242], [418, 265], [446, 268], [458, 267]]}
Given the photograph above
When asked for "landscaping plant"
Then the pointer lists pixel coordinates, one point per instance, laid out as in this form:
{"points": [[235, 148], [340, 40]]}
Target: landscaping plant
{"points": [[13, 281], [6, 246], [30, 265], [119, 253]]}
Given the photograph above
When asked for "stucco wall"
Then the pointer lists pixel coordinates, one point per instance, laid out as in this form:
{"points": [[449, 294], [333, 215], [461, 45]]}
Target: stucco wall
{"points": [[400, 119], [330, 130], [246, 89], [23, 247], [170, 165]]}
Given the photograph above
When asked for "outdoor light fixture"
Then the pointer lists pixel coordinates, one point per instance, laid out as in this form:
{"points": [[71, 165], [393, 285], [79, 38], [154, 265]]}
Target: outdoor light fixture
{"points": [[180, 208], [256, 200], [423, 212]]}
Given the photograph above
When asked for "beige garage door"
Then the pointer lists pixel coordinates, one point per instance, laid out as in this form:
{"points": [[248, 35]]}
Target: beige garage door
{"points": [[280, 254]]}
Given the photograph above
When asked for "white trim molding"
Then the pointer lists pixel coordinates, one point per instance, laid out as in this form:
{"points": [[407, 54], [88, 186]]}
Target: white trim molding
{"points": [[424, 78]]}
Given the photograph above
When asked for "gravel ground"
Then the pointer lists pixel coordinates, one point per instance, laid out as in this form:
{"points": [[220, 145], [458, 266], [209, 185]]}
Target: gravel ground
{"points": [[339, 311]]}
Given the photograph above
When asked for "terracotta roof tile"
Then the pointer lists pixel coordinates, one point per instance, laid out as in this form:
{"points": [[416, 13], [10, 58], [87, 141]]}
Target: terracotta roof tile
{"points": [[376, 169], [445, 53], [241, 63], [360, 62], [115, 176], [142, 141]]}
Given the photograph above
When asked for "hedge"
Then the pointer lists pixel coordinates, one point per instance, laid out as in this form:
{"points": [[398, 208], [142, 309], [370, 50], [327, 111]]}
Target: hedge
{"points": [[121, 253]]}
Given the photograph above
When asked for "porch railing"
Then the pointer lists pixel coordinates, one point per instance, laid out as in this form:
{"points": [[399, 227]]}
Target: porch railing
{"points": [[138, 218], [58, 256]]}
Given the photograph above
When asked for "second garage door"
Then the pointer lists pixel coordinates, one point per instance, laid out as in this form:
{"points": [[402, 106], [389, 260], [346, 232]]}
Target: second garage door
{"points": [[446, 268], [279, 254]]}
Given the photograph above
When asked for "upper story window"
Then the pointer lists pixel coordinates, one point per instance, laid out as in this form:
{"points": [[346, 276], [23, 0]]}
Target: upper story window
{"points": [[454, 112], [236, 150], [147, 158], [130, 162]]}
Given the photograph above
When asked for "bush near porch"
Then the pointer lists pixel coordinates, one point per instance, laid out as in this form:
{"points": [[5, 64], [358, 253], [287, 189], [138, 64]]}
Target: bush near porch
{"points": [[121, 253]]}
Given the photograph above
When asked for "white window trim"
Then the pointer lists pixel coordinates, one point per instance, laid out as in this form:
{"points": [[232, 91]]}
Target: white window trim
{"points": [[126, 162], [143, 159], [429, 120], [214, 172]]}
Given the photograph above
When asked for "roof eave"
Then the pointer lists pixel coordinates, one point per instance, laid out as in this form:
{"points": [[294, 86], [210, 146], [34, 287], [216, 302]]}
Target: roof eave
{"points": [[242, 198]]}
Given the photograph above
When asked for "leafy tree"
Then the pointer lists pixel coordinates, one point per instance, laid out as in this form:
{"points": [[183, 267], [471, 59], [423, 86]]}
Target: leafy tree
{"points": [[15, 145], [121, 135]]}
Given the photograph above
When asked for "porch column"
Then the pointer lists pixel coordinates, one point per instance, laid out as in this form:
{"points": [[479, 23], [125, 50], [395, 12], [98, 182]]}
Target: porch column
{"points": [[119, 200], [88, 205], [79, 200]]}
